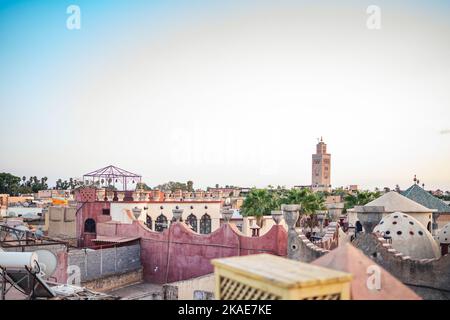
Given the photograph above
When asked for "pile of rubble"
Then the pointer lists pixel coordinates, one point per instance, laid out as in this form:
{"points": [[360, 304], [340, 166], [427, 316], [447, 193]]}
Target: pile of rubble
{"points": [[69, 292]]}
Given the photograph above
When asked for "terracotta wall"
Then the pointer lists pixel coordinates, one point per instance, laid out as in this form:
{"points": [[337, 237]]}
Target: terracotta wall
{"points": [[89, 210], [178, 253]]}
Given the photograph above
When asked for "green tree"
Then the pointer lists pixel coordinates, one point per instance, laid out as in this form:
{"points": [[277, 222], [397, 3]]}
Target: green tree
{"points": [[360, 198], [258, 203], [172, 186], [310, 202], [190, 186], [339, 192], [23, 186], [9, 183], [73, 184], [143, 186]]}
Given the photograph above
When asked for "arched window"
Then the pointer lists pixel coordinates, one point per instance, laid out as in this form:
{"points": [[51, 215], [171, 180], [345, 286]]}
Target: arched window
{"points": [[161, 223], [148, 222], [429, 226], [192, 221], [358, 226], [89, 225], [205, 224]]}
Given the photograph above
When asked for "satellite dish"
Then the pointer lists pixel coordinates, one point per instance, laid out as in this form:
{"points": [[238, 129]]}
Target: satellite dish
{"points": [[47, 262]]}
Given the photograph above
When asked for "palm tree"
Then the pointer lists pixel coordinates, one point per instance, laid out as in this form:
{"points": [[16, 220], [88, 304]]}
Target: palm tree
{"points": [[361, 198], [310, 203], [258, 203]]}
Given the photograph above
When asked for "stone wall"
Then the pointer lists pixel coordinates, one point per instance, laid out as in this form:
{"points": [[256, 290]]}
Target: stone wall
{"points": [[62, 222], [430, 278], [300, 248], [96, 264], [194, 289], [114, 281]]}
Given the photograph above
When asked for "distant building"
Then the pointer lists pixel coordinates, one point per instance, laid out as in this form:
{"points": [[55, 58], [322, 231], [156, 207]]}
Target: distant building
{"points": [[226, 192], [395, 202], [321, 168], [419, 195], [48, 194]]}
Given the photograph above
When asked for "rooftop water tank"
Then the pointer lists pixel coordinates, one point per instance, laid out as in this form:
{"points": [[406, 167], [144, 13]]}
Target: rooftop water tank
{"points": [[18, 260]]}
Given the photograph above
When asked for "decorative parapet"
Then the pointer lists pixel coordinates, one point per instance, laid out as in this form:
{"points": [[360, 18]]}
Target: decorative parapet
{"points": [[178, 253], [291, 214], [433, 274], [335, 210], [299, 246]]}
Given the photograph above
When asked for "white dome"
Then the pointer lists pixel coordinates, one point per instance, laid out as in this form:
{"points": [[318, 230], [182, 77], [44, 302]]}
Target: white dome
{"points": [[409, 236], [444, 234]]}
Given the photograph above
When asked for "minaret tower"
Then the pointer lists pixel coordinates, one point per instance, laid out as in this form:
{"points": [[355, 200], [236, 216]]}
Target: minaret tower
{"points": [[321, 168]]}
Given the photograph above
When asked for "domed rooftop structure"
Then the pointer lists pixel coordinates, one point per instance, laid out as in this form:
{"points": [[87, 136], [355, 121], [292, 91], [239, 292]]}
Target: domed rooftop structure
{"points": [[395, 202], [408, 236], [444, 234]]}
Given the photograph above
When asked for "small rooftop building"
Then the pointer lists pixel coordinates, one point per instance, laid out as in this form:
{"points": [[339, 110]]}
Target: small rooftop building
{"points": [[408, 236], [349, 259], [395, 202], [419, 195], [443, 238], [444, 234]]}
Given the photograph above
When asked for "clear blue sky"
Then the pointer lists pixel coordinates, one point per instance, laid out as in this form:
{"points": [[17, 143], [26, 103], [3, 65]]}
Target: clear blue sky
{"points": [[228, 92]]}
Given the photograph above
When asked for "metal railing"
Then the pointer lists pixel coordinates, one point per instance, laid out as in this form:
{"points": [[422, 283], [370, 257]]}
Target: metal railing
{"points": [[16, 238]]}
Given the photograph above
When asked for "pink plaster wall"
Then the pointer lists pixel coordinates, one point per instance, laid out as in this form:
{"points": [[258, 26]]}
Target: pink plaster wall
{"points": [[60, 274], [93, 210], [178, 253]]}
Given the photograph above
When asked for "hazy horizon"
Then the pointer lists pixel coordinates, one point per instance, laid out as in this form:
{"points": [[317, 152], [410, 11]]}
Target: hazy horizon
{"points": [[227, 92]]}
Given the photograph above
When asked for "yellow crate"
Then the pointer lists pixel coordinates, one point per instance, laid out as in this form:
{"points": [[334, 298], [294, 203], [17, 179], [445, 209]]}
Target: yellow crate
{"points": [[269, 277]]}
